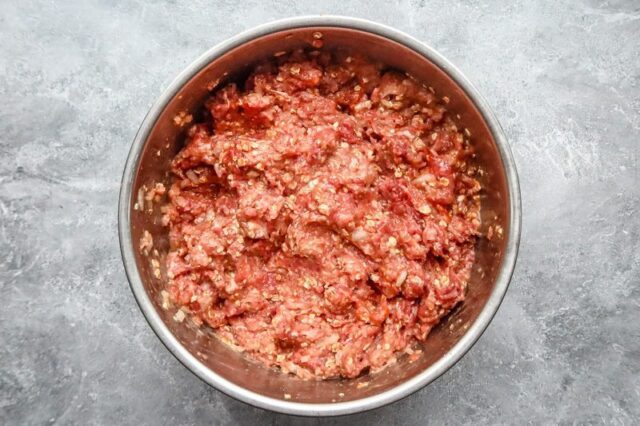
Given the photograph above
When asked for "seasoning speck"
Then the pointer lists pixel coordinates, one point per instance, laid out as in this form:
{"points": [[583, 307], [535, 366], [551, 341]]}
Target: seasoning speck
{"points": [[179, 316]]}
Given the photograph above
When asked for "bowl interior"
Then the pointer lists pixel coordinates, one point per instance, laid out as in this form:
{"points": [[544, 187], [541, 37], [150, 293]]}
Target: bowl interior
{"points": [[166, 139]]}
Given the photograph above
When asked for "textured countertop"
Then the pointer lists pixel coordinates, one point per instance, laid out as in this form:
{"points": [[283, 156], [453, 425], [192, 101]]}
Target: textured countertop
{"points": [[76, 79]]}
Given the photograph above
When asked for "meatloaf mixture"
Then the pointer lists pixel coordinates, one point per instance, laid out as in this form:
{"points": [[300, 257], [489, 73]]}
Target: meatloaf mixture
{"points": [[322, 215]]}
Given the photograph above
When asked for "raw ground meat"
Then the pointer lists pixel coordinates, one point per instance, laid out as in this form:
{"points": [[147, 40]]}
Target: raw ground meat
{"points": [[323, 215]]}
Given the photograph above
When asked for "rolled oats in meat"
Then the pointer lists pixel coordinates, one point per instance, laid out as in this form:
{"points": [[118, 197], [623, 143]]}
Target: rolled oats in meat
{"points": [[321, 217]]}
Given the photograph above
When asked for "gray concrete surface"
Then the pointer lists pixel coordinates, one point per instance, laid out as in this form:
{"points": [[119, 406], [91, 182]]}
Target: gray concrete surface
{"points": [[76, 79]]}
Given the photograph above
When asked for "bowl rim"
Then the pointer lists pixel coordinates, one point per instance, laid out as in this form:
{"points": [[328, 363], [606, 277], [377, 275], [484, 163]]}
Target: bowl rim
{"points": [[338, 408]]}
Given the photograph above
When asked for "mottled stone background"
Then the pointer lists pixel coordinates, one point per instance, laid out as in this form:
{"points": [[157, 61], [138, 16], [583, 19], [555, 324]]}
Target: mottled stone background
{"points": [[76, 79]]}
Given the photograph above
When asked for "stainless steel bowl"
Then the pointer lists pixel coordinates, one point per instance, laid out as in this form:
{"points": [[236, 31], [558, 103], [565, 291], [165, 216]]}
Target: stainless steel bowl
{"points": [[159, 139]]}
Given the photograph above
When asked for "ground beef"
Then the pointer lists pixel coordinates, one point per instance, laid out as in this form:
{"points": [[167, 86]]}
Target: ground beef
{"points": [[322, 217]]}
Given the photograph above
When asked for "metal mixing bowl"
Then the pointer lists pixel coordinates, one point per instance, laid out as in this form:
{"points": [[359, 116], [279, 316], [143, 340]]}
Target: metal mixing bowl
{"points": [[159, 139]]}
